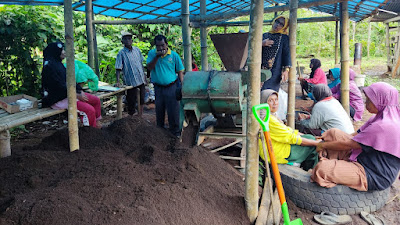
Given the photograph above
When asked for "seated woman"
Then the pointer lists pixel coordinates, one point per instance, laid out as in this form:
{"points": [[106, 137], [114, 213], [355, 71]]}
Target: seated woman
{"points": [[289, 145], [370, 158], [334, 77], [327, 113], [317, 76], [356, 101], [54, 86]]}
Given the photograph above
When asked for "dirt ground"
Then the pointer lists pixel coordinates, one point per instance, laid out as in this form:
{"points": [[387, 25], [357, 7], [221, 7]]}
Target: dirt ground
{"points": [[129, 172]]}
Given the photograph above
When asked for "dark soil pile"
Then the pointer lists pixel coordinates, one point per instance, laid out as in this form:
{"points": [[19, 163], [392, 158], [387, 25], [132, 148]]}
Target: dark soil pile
{"points": [[129, 173]]}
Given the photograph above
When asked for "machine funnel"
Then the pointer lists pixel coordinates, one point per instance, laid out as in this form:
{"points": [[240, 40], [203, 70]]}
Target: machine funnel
{"points": [[232, 49]]}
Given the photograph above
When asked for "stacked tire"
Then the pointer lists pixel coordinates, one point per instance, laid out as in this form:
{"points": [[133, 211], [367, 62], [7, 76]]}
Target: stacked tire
{"points": [[340, 199]]}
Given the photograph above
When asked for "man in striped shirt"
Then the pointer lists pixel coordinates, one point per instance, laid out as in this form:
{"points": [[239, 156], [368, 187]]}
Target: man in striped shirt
{"points": [[130, 62]]}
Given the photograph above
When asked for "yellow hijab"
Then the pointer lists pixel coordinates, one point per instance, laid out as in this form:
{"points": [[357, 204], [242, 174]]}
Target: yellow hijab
{"points": [[284, 29]]}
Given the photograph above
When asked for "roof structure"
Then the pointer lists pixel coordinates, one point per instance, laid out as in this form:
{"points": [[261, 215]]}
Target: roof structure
{"points": [[167, 9]]}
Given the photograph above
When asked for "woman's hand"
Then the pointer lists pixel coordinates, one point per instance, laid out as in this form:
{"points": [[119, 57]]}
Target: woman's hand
{"points": [[267, 43], [303, 116], [319, 146], [82, 97]]}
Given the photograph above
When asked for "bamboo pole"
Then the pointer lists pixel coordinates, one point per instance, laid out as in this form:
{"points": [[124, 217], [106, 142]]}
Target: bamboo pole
{"points": [[203, 38], [96, 50], [71, 83], [267, 22], [89, 32], [218, 16], [344, 48], [388, 47], [187, 56], [337, 43], [369, 37], [254, 63], [292, 72]]}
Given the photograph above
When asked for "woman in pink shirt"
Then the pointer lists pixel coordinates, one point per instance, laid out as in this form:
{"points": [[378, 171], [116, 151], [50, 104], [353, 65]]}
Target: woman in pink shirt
{"points": [[317, 76]]}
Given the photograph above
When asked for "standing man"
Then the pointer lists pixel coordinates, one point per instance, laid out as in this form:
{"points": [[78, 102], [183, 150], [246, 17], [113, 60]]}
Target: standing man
{"points": [[130, 62], [164, 65]]}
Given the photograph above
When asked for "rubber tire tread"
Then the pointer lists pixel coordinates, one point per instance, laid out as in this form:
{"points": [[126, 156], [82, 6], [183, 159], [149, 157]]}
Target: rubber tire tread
{"points": [[340, 199]]}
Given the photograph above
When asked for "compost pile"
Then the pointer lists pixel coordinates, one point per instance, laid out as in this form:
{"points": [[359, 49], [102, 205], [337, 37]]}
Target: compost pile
{"points": [[128, 173]]}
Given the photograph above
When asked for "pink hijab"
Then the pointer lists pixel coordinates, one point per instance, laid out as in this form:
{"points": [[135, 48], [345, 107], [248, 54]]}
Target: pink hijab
{"points": [[382, 131]]}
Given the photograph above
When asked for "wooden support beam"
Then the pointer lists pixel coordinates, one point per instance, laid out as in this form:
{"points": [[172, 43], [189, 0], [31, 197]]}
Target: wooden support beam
{"points": [[71, 83], [89, 32], [344, 49], [292, 72], [203, 38], [187, 58], [252, 126]]}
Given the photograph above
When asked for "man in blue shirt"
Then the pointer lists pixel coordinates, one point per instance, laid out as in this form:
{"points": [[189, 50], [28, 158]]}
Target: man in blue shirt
{"points": [[129, 61], [164, 65]]}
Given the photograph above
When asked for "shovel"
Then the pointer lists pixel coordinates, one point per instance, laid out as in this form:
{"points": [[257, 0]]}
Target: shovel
{"points": [[275, 170]]}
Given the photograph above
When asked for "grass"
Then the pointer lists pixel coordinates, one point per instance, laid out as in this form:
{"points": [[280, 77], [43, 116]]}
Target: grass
{"points": [[371, 63]]}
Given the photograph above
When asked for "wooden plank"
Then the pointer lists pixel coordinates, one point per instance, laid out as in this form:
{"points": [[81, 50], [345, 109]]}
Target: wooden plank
{"points": [[231, 157], [27, 116], [226, 146]]}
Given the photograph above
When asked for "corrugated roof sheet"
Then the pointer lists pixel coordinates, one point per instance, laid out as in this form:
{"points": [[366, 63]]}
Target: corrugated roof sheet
{"points": [[164, 9]]}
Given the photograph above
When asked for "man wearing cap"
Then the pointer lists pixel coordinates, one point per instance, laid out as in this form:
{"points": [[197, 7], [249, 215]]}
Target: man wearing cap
{"points": [[164, 65], [130, 62]]}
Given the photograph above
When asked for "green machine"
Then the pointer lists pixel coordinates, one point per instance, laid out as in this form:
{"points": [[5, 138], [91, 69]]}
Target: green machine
{"points": [[222, 93]]}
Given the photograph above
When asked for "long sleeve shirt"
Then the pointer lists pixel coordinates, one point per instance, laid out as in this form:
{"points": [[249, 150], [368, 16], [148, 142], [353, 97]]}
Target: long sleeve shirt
{"points": [[327, 114], [282, 137], [319, 77]]}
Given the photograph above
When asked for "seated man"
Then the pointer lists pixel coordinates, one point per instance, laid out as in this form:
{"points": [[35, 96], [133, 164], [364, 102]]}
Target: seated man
{"points": [[289, 146], [370, 158]]}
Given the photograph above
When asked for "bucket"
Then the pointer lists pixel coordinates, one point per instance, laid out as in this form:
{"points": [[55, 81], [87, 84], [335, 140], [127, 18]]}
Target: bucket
{"points": [[5, 147], [359, 79]]}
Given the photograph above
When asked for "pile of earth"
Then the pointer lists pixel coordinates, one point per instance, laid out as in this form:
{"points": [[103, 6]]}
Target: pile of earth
{"points": [[128, 173]]}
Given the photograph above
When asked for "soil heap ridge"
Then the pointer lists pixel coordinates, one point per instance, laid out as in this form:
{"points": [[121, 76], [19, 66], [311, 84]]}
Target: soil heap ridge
{"points": [[131, 172]]}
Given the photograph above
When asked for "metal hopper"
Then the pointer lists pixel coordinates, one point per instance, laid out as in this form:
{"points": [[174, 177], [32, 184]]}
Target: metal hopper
{"points": [[232, 49]]}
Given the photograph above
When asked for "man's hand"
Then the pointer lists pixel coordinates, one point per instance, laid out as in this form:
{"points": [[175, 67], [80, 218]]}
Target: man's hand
{"points": [[285, 76], [267, 43], [82, 97], [161, 53]]}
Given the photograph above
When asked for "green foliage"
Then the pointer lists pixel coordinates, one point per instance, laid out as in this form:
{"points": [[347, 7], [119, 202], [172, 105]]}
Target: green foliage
{"points": [[26, 31]]}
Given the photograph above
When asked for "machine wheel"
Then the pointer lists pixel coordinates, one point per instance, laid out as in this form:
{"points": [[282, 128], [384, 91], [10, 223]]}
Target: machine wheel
{"points": [[340, 199]]}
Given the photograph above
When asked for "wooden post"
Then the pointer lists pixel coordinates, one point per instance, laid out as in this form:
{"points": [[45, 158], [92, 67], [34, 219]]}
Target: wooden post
{"points": [[254, 63], [337, 43], [388, 47], [292, 72], [187, 55], [203, 38], [344, 49], [119, 107], [96, 51], [5, 147], [369, 37], [89, 32], [71, 83]]}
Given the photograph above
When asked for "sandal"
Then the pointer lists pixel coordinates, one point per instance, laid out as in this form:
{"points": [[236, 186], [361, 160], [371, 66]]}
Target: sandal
{"points": [[328, 218], [371, 219]]}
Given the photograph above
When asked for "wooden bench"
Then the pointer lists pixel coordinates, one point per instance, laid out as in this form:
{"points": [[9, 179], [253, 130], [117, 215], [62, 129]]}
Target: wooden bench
{"points": [[8, 121]]}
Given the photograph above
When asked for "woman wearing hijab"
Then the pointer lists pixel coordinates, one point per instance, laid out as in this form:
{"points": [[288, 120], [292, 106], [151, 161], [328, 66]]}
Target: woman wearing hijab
{"points": [[356, 100], [276, 53], [289, 146], [55, 88], [370, 158], [327, 113], [317, 76], [334, 77]]}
